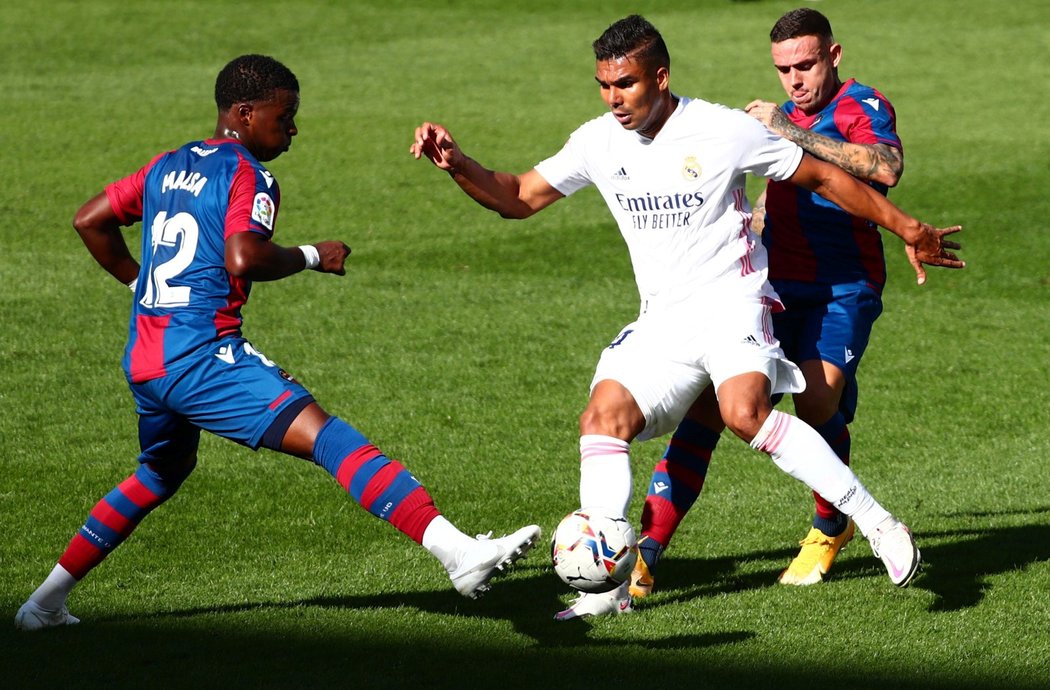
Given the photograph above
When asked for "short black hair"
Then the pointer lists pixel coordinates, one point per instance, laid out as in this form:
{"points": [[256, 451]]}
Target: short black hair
{"points": [[252, 78], [804, 21], [633, 35]]}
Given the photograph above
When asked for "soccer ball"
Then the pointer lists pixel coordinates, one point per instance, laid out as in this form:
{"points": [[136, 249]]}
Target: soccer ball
{"points": [[592, 551]]}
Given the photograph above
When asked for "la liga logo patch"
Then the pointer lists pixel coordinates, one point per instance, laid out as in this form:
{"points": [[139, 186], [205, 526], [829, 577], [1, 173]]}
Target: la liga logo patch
{"points": [[263, 210]]}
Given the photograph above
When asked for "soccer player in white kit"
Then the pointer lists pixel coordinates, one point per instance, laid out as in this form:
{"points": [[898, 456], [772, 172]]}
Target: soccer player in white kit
{"points": [[672, 171]]}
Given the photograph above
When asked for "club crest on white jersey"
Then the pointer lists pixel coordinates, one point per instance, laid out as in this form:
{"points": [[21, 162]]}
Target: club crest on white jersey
{"points": [[691, 168]]}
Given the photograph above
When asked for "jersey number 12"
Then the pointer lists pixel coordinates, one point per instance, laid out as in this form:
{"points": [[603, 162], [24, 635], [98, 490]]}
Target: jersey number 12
{"points": [[181, 230]]}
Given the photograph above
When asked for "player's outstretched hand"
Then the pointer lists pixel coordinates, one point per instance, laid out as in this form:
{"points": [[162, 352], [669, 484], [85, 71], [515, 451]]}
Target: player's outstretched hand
{"points": [[333, 255], [434, 141], [932, 249]]}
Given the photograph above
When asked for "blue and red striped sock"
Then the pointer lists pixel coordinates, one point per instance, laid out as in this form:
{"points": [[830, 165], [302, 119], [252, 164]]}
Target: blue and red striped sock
{"points": [[827, 518], [677, 481], [382, 486], [117, 515]]}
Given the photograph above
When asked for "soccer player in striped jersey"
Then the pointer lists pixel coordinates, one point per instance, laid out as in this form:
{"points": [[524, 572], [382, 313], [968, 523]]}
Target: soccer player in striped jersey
{"points": [[671, 170], [828, 268], [209, 211]]}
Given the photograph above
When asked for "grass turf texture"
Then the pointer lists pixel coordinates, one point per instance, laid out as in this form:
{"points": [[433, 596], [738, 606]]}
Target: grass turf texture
{"points": [[463, 344]]}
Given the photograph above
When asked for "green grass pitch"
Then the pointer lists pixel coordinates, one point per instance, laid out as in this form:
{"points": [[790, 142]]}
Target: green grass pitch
{"points": [[463, 344]]}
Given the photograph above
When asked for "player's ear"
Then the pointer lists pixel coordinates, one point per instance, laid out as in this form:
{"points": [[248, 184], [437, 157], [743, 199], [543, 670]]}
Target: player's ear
{"points": [[245, 111], [663, 78], [835, 51]]}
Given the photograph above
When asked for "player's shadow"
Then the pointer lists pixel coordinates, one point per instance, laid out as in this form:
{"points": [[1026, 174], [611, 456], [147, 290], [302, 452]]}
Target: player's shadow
{"points": [[957, 564], [696, 578], [958, 571], [528, 600]]}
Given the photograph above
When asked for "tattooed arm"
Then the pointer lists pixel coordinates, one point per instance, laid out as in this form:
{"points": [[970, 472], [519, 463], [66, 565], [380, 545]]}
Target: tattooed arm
{"points": [[874, 162], [758, 214]]}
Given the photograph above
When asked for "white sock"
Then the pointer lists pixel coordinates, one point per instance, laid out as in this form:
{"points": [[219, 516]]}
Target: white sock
{"points": [[446, 542], [52, 593], [605, 473], [799, 450]]}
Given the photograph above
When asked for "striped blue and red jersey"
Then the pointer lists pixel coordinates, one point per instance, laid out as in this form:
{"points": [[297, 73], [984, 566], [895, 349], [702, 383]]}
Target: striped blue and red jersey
{"points": [[811, 239], [189, 201]]}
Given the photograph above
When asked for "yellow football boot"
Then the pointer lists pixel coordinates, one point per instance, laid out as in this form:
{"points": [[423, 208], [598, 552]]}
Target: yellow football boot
{"points": [[641, 578], [815, 558]]}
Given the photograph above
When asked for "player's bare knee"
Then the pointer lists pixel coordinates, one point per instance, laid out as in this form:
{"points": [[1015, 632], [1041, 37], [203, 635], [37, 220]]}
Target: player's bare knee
{"points": [[744, 420], [592, 421], [608, 421]]}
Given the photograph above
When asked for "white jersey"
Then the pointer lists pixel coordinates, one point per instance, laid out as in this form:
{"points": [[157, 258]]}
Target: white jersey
{"points": [[679, 198]]}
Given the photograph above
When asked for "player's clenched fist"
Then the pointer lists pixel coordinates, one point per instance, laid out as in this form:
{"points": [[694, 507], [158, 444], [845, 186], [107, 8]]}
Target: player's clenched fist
{"points": [[332, 254]]}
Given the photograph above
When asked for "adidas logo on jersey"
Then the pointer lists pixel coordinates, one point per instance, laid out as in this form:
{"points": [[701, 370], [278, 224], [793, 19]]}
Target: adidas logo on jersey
{"points": [[750, 340], [621, 175]]}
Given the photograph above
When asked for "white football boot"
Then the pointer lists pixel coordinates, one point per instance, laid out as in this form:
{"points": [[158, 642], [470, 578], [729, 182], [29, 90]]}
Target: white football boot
{"points": [[477, 565], [599, 604], [32, 617], [892, 542]]}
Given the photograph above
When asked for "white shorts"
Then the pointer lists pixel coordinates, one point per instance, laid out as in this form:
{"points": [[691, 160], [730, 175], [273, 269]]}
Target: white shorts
{"points": [[667, 360]]}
